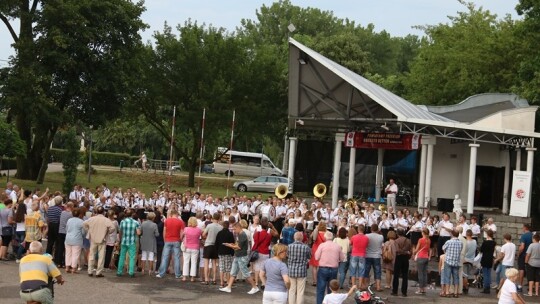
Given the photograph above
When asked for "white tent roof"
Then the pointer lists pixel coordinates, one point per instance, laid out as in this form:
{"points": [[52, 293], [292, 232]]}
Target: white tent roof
{"points": [[325, 95]]}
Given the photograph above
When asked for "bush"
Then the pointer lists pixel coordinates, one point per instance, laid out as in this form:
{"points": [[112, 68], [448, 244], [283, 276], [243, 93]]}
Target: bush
{"points": [[98, 158]]}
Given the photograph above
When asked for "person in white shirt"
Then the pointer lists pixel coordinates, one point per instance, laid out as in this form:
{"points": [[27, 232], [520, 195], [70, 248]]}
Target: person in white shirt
{"points": [[445, 232], [391, 191], [506, 258], [475, 228], [489, 226], [462, 222], [508, 293], [400, 223], [337, 298]]}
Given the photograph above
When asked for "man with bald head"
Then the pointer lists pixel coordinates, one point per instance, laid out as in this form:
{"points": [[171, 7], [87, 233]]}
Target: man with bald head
{"points": [[298, 257]]}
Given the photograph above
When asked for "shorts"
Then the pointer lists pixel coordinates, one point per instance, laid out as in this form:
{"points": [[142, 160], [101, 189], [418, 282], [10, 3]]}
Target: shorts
{"points": [[521, 262], [240, 264], [6, 240], [533, 273], [259, 263], [225, 263], [147, 256], [210, 252], [502, 270], [376, 264], [356, 266]]}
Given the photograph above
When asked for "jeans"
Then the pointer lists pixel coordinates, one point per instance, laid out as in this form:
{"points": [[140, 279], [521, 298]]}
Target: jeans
{"points": [[401, 267], [376, 263], [191, 258], [422, 266], [19, 236], [175, 248], [324, 276], [356, 266], [486, 272], [342, 272], [501, 272], [132, 249], [240, 264], [451, 274]]}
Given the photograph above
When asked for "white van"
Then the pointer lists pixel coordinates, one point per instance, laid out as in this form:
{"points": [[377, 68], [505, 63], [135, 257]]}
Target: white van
{"points": [[244, 164]]}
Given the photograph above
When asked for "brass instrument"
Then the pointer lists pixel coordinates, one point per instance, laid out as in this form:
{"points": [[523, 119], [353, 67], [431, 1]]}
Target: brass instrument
{"points": [[319, 190], [382, 208], [281, 191], [350, 204]]}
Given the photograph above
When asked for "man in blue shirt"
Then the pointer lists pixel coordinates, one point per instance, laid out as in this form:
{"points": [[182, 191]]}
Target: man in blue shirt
{"points": [[287, 234], [524, 241]]}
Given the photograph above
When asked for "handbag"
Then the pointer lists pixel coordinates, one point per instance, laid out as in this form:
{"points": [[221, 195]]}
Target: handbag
{"points": [[254, 254]]}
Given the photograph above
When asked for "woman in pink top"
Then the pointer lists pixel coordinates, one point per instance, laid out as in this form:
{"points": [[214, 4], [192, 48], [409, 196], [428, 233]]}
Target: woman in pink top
{"points": [[359, 245], [192, 236], [421, 254]]}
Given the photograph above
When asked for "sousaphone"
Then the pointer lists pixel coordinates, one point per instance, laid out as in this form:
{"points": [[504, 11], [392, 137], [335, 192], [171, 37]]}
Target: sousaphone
{"points": [[319, 190], [281, 191]]}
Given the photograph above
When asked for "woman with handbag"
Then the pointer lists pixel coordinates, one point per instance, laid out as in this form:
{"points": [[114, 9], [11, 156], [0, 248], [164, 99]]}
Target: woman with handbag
{"points": [[318, 238], [6, 220], [421, 255]]}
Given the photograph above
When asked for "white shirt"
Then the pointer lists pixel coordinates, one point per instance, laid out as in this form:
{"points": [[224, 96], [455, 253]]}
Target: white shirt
{"points": [[392, 188], [401, 223], [475, 229], [491, 227], [445, 224], [335, 298], [509, 250], [465, 228], [507, 290]]}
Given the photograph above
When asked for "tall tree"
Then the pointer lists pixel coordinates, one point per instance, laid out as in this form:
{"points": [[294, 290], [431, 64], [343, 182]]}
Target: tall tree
{"points": [[529, 35], [72, 60], [475, 53]]}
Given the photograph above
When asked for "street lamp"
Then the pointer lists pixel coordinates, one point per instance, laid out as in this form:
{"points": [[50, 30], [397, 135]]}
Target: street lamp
{"points": [[90, 157]]}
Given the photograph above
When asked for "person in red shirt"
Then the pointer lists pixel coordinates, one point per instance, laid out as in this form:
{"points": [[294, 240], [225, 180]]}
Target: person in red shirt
{"points": [[261, 243], [359, 245], [173, 231]]}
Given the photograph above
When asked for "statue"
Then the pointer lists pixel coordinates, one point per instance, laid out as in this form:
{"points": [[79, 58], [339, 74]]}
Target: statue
{"points": [[457, 206]]}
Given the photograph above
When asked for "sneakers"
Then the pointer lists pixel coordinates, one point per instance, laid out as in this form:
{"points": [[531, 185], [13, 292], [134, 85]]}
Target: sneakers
{"points": [[519, 288], [253, 290], [494, 286], [159, 276], [226, 289], [17, 261]]}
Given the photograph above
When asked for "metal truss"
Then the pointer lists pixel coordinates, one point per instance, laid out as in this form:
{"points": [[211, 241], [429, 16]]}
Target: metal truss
{"points": [[460, 135]]}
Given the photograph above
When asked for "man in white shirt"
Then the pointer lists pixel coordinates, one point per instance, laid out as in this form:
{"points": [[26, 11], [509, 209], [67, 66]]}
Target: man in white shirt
{"points": [[489, 226], [445, 232], [391, 191], [475, 228], [462, 222], [506, 258]]}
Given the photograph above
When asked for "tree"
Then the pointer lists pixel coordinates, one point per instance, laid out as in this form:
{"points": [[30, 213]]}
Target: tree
{"points": [[529, 35], [66, 51], [71, 160], [475, 53]]}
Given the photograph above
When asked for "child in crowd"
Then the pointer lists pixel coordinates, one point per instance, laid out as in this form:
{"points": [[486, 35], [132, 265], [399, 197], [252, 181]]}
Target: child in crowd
{"points": [[335, 297]]}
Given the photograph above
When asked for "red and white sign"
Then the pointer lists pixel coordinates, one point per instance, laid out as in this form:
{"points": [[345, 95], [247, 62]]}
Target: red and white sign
{"points": [[389, 141], [520, 201]]}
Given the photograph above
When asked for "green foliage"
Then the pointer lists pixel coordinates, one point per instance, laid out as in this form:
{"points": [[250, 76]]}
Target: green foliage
{"points": [[11, 144], [529, 36], [98, 158], [475, 53], [73, 59], [71, 160]]}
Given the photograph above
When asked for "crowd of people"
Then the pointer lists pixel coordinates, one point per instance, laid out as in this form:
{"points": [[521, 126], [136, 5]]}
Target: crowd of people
{"points": [[270, 243]]}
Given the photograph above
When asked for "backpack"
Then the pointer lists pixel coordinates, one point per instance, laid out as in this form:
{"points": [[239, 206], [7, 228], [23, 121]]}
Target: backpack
{"points": [[387, 254]]}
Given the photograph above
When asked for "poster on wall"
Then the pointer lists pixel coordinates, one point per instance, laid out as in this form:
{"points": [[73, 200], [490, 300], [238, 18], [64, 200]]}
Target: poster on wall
{"points": [[389, 141], [521, 194]]}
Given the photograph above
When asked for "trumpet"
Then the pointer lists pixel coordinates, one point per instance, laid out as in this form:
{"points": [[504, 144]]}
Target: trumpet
{"points": [[350, 203], [319, 190]]}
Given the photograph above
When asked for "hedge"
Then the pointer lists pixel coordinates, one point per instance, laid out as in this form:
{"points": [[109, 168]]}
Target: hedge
{"points": [[98, 158]]}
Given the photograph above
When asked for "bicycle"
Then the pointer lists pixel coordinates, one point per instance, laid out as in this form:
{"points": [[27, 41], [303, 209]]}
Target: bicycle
{"points": [[136, 166]]}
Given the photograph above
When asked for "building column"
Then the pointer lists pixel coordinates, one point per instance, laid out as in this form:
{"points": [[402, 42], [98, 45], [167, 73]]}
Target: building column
{"points": [[379, 175], [422, 179], [506, 181], [530, 158], [472, 178], [429, 170], [292, 158], [352, 169], [337, 166], [518, 159]]}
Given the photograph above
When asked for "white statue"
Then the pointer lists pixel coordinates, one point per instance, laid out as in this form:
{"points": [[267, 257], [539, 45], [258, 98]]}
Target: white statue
{"points": [[457, 206]]}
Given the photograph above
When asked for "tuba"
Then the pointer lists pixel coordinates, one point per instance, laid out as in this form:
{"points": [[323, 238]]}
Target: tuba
{"points": [[382, 208], [350, 204], [319, 190], [281, 191]]}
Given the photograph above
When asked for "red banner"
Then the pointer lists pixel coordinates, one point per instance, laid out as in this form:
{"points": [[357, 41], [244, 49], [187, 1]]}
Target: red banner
{"points": [[389, 141]]}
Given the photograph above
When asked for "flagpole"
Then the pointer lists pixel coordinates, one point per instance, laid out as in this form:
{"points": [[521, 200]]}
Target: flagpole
{"points": [[171, 151], [230, 149], [201, 152]]}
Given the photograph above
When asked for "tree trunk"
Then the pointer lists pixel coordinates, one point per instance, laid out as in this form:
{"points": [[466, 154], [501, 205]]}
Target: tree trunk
{"points": [[191, 178]]}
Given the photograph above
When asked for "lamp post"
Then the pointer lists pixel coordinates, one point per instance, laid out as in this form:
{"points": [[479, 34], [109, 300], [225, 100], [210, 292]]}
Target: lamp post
{"points": [[90, 157]]}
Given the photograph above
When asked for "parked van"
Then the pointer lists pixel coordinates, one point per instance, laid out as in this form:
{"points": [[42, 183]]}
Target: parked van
{"points": [[244, 164]]}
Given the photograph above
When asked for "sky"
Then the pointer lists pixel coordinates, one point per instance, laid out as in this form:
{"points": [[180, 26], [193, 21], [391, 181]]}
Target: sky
{"points": [[395, 16]]}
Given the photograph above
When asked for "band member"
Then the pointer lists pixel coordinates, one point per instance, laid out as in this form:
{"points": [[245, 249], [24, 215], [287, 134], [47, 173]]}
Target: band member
{"points": [[391, 191]]}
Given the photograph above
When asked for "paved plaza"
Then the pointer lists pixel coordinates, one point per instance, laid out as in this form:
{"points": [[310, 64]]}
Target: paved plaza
{"points": [[80, 288]]}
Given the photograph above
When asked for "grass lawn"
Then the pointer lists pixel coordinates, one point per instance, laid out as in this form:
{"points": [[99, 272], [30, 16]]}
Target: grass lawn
{"points": [[145, 182]]}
